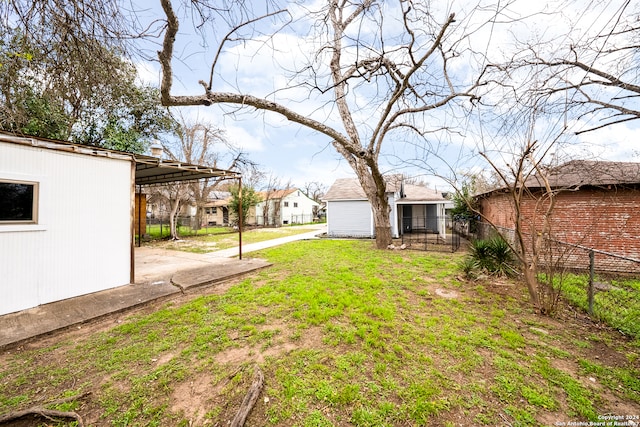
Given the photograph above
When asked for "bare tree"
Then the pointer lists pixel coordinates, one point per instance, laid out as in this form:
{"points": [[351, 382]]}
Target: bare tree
{"points": [[385, 82], [200, 144], [172, 197], [527, 241], [270, 209], [314, 190], [523, 199], [580, 76], [589, 74]]}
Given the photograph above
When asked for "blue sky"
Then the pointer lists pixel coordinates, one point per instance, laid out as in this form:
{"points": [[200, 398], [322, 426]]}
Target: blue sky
{"points": [[299, 155]]}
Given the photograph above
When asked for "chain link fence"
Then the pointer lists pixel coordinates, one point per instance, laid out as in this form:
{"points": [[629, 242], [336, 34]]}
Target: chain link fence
{"points": [[158, 227], [604, 284], [278, 221]]}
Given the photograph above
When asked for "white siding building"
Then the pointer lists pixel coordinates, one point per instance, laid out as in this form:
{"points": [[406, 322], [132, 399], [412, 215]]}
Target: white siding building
{"points": [[413, 207], [285, 207], [79, 239], [67, 217]]}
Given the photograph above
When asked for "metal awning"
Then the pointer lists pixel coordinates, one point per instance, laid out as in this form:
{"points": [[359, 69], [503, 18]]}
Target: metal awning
{"points": [[152, 170]]}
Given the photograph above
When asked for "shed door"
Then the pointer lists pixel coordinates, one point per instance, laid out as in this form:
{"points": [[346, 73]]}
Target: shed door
{"points": [[349, 219], [407, 219], [432, 218]]}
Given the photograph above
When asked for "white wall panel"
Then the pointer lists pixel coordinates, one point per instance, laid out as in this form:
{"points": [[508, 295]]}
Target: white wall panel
{"points": [[81, 242], [349, 219]]}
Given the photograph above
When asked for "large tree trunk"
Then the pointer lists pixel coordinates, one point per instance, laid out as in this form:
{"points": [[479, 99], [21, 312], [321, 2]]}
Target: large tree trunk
{"points": [[381, 222], [374, 186]]}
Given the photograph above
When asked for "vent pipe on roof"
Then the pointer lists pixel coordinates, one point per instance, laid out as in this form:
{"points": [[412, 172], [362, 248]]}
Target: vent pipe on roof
{"points": [[156, 149]]}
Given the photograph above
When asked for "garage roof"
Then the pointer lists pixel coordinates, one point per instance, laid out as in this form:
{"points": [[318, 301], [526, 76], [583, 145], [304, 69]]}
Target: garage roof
{"points": [[149, 170]]}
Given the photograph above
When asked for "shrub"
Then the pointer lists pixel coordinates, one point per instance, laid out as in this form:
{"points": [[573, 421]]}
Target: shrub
{"points": [[502, 256], [493, 255], [480, 251], [469, 267]]}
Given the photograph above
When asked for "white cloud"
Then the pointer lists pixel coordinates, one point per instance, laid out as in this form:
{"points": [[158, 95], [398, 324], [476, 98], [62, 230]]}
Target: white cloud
{"points": [[148, 73], [241, 137], [324, 169], [614, 143]]}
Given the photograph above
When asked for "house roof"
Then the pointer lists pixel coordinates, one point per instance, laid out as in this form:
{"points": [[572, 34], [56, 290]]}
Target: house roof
{"points": [[149, 170], [276, 194], [419, 193], [578, 173], [583, 173], [217, 203], [350, 189], [345, 189]]}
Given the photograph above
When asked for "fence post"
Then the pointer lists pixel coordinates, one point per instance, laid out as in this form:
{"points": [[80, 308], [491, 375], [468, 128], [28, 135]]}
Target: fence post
{"points": [[592, 257]]}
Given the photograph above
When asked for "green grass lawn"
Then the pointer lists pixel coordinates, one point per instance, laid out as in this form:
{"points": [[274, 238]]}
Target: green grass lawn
{"points": [[345, 336], [224, 240]]}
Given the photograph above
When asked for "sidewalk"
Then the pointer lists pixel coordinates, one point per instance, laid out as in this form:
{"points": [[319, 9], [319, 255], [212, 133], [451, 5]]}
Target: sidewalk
{"points": [[160, 274], [231, 252]]}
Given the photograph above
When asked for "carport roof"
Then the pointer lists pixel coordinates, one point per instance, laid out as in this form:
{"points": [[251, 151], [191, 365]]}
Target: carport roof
{"points": [[149, 170]]}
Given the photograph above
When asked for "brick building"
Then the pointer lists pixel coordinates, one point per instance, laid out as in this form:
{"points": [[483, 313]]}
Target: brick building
{"points": [[597, 206]]}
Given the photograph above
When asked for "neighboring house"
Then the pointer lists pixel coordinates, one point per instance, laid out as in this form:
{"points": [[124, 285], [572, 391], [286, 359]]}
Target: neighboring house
{"points": [[67, 217], [414, 209], [284, 207], [216, 212], [597, 206]]}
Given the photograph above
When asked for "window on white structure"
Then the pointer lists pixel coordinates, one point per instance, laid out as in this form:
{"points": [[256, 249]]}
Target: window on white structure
{"points": [[286, 204], [295, 204], [18, 202]]}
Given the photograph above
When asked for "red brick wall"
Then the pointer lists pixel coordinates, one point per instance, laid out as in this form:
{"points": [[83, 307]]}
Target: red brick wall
{"points": [[606, 220]]}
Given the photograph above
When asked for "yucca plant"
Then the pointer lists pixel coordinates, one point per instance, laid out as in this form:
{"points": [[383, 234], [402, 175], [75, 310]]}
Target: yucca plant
{"points": [[493, 255], [469, 267], [480, 251], [502, 256]]}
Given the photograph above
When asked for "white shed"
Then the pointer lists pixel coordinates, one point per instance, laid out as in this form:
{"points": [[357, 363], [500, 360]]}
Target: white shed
{"points": [[413, 208], [67, 215], [349, 212]]}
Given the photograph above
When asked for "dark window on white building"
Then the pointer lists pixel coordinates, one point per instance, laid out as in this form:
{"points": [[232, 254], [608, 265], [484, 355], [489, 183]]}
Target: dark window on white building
{"points": [[18, 202]]}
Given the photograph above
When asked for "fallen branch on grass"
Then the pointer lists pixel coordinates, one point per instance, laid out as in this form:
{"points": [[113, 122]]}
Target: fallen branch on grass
{"points": [[250, 399], [50, 414]]}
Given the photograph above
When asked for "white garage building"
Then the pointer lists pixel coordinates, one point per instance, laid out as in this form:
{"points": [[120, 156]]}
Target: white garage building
{"points": [[414, 208], [67, 217]]}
